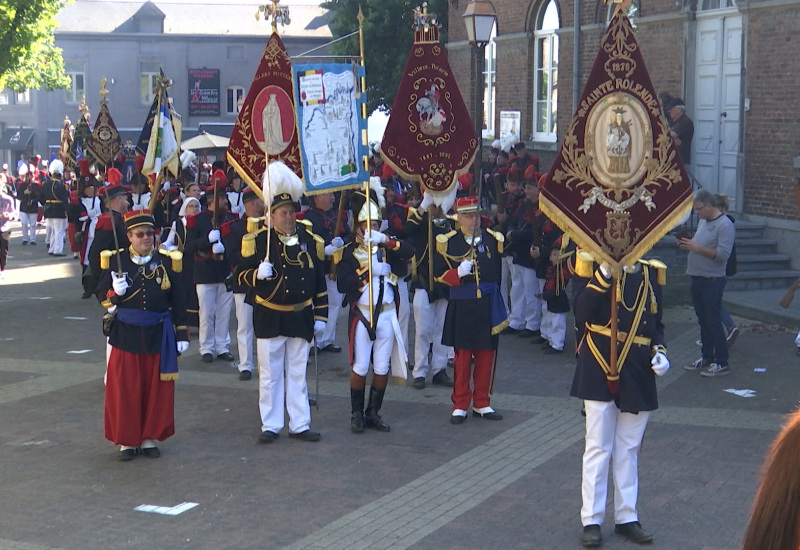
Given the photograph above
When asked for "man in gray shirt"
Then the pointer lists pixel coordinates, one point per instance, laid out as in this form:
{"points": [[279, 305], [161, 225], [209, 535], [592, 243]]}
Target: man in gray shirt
{"points": [[709, 251]]}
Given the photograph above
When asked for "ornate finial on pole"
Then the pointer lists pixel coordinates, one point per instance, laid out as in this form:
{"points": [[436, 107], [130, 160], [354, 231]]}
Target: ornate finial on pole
{"points": [[426, 25], [103, 91], [278, 14]]}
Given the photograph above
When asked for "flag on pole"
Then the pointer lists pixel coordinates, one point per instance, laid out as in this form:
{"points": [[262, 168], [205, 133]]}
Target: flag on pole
{"points": [[266, 125], [80, 136], [617, 184], [105, 143], [161, 149]]}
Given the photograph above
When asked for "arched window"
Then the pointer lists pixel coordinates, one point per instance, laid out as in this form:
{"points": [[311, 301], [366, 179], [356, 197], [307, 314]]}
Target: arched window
{"points": [[545, 74]]}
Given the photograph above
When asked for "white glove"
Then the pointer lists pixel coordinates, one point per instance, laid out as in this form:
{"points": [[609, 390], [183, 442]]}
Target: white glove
{"points": [[464, 268], [166, 186], [213, 236], [137, 207], [375, 237], [660, 364], [605, 269], [380, 269], [183, 346], [319, 327], [111, 309], [218, 248], [169, 247], [119, 283], [338, 242], [427, 200], [330, 249], [265, 271]]}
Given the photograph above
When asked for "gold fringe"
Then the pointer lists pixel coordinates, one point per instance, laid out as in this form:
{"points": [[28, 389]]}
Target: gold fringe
{"points": [[441, 242], [253, 224], [248, 245], [105, 259], [320, 247], [165, 282], [500, 238], [661, 270], [584, 264], [166, 377], [177, 260], [399, 381]]}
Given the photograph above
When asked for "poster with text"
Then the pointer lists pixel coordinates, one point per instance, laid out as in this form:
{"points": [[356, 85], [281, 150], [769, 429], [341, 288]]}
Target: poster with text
{"points": [[204, 92]]}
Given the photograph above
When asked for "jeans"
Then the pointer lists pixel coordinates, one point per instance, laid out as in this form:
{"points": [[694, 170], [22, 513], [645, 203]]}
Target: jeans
{"points": [[707, 301]]}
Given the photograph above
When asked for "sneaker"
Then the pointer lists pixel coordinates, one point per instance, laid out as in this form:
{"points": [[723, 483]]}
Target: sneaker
{"points": [[700, 364], [730, 338], [716, 370]]}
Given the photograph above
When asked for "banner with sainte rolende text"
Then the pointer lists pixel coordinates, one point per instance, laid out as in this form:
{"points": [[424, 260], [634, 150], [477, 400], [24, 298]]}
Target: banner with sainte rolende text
{"points": [[331, 125]]}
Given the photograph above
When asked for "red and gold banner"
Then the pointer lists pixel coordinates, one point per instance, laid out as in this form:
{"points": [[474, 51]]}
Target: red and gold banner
{"points": [[266, 127], [617, 184], [105, 143], [430, 137]]}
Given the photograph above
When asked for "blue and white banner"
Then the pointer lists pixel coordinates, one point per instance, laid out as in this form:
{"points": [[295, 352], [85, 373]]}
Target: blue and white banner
{"points": [[332, 126]]}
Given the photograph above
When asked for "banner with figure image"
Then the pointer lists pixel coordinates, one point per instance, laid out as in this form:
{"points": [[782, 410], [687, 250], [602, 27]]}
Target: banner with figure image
{"points": [[332, 129]]}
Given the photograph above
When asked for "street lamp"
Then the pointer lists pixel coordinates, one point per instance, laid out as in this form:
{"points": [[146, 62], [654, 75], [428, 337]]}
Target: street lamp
{"points": [[479, 18]]}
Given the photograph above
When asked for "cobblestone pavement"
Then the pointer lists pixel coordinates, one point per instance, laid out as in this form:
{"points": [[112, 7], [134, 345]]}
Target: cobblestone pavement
{"points": [[424, 485]]}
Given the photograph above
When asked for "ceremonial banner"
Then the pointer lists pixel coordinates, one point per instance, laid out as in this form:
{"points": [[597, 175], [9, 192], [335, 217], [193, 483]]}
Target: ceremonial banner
{"points": [[430, 137], [332, 130], [104, 144], [66, 142], [80, 136], [266, 125], [617, 184], [157, 142]]}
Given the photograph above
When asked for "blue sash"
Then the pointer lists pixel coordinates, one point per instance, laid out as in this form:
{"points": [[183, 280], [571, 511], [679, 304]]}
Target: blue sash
{"points": [[497, 309], [169, 350]]}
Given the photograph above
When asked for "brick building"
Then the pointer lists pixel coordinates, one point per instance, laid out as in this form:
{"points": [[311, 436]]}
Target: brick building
{"points": [[735, 63]]}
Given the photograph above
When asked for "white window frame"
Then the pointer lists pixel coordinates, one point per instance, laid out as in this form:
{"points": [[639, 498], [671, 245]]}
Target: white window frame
{"points": [[490, 86], [237, 104], [546, 42], [76, 71], [24, 98], [146, 72]]}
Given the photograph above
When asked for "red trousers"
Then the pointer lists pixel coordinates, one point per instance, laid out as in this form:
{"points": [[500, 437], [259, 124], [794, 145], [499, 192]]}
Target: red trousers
{"points": [[138, 405], [481, 378]]}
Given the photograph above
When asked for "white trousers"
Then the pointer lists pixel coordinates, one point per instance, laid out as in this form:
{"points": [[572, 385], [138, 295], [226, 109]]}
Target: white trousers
{"points": [[281, 357], [506, 269], [617, 436], [244, 331], [56, 231], [28, 226], [526, 306], [215, 317], [380, 350], [328, 335], [554, 328], [428, 323]]}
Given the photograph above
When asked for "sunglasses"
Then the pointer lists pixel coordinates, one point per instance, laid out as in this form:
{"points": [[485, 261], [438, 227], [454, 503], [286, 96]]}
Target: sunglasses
{"points": [[143, 234]]}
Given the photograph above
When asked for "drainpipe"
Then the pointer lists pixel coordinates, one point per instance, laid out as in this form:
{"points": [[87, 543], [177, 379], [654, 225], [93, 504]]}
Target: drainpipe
{"points": [[576, 57]]}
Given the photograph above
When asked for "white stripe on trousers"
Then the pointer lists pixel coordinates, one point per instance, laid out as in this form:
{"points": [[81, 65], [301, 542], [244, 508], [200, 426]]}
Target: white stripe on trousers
{"points": [[616, 436], [244, 331], [276, 356], [215, 315]]}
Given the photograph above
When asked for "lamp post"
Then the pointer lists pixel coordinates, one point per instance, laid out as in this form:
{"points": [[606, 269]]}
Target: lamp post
{"points": [[479, 18]]}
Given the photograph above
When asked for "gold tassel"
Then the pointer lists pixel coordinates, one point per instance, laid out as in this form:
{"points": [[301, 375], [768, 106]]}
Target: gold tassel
{"points": [[619, 289], [177, 260], [248, 245], [105, 259], [165, 283], [584, 264], [253, 224]]}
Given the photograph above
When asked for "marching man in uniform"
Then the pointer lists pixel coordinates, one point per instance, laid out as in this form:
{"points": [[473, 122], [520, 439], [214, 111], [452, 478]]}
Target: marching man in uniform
{"points": [[469, 262], [374, 335], [285, 265], [147, 335], [618, 401]]}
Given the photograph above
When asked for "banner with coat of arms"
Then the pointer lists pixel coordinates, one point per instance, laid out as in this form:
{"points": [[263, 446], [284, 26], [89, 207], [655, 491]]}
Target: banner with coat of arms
{"points": [[332, 129], [105, 143], [617, 184], [430, 137], [266, 127]]}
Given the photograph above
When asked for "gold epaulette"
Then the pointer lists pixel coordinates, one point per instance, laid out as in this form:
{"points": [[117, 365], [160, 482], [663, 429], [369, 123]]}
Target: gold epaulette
{"points": [[441, 241], [320, 245], [249, 245], [584, 264], [253, 224], [177, 260], [499, 237], [337, 254], [105, 257], [414, 214], [661, 270], [307, 223]]}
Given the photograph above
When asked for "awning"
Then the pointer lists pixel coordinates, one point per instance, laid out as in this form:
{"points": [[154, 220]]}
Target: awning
{"points": [[16, 138]]}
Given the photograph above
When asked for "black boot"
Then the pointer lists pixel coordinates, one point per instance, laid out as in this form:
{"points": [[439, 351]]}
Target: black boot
{"points": [[371, 417], [357, 414]]}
